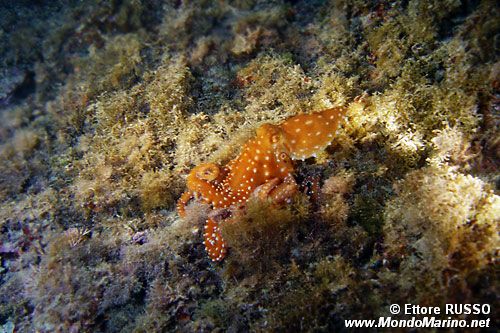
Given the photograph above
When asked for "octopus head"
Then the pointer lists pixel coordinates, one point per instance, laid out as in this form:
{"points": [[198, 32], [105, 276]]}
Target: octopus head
{"points": [[284, 163], [272, 137]]}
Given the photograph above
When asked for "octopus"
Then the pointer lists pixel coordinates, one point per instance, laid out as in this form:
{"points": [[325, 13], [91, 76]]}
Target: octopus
{"points": [[263, 169]]}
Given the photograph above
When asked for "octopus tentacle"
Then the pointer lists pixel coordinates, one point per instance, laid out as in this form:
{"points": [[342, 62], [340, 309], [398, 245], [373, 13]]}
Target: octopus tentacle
{"points": [[213, 241], [284, 191], [207, 179], [276, 190], [183, 201]]}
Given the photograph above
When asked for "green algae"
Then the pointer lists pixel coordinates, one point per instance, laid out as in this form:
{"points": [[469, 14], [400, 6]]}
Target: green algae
{"points": [[128, 96]]}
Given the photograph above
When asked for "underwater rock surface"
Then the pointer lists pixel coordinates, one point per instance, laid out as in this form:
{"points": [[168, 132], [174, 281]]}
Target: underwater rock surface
{"points": [[105, 107]]}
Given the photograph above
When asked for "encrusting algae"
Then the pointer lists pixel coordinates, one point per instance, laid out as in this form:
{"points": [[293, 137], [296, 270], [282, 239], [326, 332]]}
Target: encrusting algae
{"points": [[265, 161]]}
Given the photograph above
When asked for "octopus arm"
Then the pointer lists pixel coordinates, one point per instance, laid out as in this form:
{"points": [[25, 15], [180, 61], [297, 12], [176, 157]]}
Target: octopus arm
{"points": [[206, 180], [182, 203], [213, 241]]}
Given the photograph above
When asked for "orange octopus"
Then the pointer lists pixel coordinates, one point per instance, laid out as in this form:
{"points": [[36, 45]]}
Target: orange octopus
{"points": [[263, 168]]}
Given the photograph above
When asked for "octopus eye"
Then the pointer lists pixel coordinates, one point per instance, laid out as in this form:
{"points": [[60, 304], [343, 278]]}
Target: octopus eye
{"points": [[283, 156]]}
